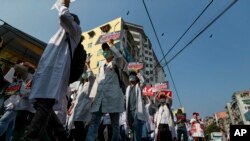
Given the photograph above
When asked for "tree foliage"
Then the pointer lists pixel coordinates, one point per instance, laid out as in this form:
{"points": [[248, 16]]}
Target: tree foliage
{"points": [[211, 128]]}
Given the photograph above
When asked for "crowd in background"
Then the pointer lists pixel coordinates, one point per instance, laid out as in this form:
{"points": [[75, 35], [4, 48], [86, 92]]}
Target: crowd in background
{"points": [[38, 103]]}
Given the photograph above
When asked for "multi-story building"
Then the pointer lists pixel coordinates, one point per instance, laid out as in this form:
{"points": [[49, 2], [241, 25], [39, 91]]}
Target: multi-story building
{"points": [[123, 44], [239, 108], [130, 40], [146, 55], [230, 113], [221, 120], [159, 74], [16, 45]]}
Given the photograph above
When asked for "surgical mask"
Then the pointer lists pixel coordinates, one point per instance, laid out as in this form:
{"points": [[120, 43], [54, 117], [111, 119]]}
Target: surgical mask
{"points": [[84, 76], [106, 54], [162, 101], [132, 78]]}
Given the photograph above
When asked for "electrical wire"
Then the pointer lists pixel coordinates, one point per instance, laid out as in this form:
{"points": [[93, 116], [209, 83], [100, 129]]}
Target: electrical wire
{"points": [[171, 77], [202, 30], [203, 11]]}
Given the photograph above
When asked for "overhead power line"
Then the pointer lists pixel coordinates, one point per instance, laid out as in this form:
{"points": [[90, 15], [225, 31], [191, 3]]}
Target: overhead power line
{"points": [[162, 52], [202, 30], [207, 6]]}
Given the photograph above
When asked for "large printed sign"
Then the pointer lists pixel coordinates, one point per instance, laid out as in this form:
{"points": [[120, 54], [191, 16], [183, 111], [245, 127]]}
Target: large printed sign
{"points": [[160, 86], [148, 91], [107, 37], [135, 66], [167, 93]]}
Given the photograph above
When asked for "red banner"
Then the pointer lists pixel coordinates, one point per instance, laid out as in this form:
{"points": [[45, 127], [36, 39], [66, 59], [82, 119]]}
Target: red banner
{"points": [[167, 93], [135, 66], [148, 91], [107, 37], [160, 86]]}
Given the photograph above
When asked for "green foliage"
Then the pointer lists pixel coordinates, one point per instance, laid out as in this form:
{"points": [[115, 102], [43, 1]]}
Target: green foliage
{"points": [[211, 128]]}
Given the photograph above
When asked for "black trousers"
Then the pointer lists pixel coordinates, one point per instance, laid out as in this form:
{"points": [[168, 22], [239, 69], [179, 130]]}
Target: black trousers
{"points": [[101, 132], [164, 133], [79, 133], [43, 117], [23, 119]]}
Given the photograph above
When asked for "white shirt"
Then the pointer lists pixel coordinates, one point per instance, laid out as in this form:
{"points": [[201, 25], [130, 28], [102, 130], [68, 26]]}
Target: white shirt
{"points": [[165, 115]]}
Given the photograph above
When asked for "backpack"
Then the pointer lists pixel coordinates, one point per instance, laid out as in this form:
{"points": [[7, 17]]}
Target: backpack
{"points": [[77, 61]]}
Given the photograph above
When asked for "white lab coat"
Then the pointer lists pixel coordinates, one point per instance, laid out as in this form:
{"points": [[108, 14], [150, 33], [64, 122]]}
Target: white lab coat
{"points": [[170, 121], [140, 106], [82, 102], [106, 91], [52, 75]]}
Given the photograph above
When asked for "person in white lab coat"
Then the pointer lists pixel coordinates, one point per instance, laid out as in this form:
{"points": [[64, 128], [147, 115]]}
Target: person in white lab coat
{"points": [[18, 92], [164, 120], [51, 78], [107, 96], [79, 113], [135, 107]]}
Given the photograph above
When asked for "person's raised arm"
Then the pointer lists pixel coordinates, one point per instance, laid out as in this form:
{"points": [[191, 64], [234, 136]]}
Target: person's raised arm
{"points": [[67, 20]]}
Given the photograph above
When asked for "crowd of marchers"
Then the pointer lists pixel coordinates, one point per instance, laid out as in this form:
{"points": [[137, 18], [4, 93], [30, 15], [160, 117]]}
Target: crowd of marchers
{"points": [[39, 104]]}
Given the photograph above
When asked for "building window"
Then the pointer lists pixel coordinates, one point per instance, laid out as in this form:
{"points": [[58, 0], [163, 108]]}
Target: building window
{"points": [[247, 107], [150, 53], [149, 47], [105, 28], [99, 52], [151, 66], [150, 59], [151, 78], [245, 94], [146, 52], [89, 45], [91, 34], [147, 72], [247, 101], [151, 72], [146, 58]]}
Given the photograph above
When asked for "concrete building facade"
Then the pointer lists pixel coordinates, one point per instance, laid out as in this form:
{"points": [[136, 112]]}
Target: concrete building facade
{"points": [[130, 40], [239, 108], [146, 55]]}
